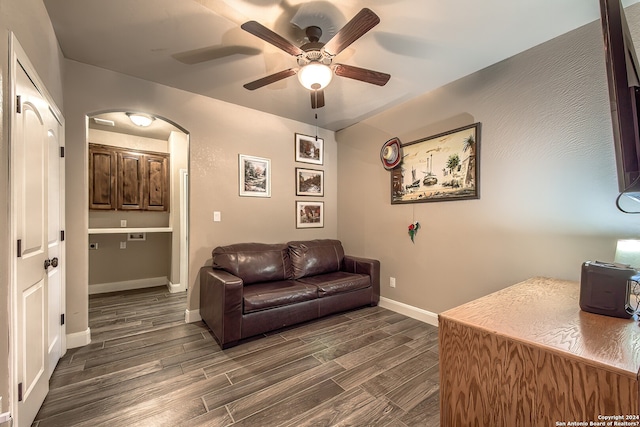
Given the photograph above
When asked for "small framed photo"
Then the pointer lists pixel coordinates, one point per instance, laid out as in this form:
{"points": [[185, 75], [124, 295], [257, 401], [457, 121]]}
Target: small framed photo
{"points": [[309, 149], [309, 214], [309, 182], [255, 176]]}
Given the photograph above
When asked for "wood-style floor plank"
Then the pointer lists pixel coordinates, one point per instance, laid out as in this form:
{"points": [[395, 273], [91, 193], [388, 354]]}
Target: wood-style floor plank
{"points": [[231, 393], [391, 379], [334, 410], [301, 402], [283, 390], [146, 367]]}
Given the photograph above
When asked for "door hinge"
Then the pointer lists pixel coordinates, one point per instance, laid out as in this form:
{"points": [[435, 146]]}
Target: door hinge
{"points": [[20, 392], [19, 248], [61, 151], [62, 235], [18, 104], [62, 319]]}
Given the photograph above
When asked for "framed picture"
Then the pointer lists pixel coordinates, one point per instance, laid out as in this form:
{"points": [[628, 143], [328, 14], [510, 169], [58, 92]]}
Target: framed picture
{"points": [[309, 149], [309, 182], [255, 176], [309, 214], [439, 168]]}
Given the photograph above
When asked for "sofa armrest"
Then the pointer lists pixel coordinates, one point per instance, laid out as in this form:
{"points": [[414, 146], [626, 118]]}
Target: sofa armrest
{"points": [[221, 304], [367, 266]]}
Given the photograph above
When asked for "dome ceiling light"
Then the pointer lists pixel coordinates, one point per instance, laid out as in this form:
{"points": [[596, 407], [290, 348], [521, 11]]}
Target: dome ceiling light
{"points": [[142, 120]]}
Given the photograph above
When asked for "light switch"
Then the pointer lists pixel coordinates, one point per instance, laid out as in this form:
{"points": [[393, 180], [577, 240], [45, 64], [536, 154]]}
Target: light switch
{"points": [[216, 216], [123, 245]]}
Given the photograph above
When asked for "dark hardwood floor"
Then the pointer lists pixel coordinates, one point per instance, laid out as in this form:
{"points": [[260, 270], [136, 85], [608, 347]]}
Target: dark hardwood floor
{"points": [[146, 367]]}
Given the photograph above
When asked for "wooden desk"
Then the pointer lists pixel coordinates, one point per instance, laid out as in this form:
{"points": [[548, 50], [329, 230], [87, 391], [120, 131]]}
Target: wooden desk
{"points": [[528, 356]]}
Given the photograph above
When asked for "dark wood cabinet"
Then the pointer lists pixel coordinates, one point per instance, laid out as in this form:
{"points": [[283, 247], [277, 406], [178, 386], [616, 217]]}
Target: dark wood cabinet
{"points": [[130, 181], [122, 179], [156, 184], [102, 178]]}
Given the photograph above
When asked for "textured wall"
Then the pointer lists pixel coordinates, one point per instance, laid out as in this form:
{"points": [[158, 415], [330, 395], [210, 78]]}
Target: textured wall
{"points": [[218, 132], [29, 21], [547, 178]]}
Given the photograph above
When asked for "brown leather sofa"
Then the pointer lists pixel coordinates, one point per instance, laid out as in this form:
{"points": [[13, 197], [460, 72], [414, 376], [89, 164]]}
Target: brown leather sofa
{"points": [[254, 288]]}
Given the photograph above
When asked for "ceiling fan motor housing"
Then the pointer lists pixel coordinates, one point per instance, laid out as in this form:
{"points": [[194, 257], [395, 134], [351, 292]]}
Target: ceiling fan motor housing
{"points": [[313, 50]]}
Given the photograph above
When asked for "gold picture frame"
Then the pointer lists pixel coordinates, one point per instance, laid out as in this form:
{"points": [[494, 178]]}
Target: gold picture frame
{"points": [[441, 167]]}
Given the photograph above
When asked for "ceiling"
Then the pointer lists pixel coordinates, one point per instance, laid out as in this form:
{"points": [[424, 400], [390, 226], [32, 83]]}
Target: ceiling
{"points": [[198, 45], [119, 122]]}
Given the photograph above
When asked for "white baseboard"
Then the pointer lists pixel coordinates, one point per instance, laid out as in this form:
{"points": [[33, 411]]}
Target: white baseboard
{"points": [[174, 288], [79, 339], [150, 282], [408, 310], [192, 316]]}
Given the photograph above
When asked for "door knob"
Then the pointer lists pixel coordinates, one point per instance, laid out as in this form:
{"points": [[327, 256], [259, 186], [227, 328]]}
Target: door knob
{"points": [[51, 262]]}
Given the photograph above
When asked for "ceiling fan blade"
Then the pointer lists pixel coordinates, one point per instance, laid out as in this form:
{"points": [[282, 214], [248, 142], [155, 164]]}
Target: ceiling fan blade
{"points": [[272, 78], [362, 74], [317, 99], [352, 31], [269, 36]]}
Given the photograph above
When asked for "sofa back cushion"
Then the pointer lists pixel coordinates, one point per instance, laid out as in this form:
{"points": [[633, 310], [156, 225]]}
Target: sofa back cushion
{"points": [[312, 257], [254, 262]]}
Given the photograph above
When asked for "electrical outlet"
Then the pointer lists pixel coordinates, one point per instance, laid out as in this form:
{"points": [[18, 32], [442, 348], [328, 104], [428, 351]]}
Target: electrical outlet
{"points": [[392, 282], [123, 223], [123, 245], [93, 246]]}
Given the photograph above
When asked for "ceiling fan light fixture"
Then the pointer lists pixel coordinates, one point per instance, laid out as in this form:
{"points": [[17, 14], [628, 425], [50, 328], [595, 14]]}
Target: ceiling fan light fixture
{"points": [[142, 120], [315, 76]]}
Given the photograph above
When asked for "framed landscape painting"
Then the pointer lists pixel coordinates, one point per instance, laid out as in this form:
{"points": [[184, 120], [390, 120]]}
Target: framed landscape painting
{"points": [[255, 176], [309, 149], [309, 214], [442, 167], [309, 182]]}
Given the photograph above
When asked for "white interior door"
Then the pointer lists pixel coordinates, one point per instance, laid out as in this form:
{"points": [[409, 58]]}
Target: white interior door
{"points": [[37, 216], [29, 160], [55, 273]]}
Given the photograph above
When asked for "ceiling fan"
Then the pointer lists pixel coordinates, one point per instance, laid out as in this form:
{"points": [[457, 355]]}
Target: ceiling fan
{"points": [[315, 59]]}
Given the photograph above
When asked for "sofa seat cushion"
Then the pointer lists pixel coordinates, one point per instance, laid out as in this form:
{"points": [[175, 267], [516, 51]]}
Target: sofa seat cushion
{"points": [[262, 296], [337, 282]]}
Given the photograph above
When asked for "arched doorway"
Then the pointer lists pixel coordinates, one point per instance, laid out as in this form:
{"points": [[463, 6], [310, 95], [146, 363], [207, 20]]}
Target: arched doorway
{"points": [[138, 202]]}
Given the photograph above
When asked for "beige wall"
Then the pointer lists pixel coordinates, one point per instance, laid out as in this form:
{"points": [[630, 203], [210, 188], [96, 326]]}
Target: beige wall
{"points": [[116, 139], [178, 146], [30, 23], [147, 259], [547, 179], [218, 132]]}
